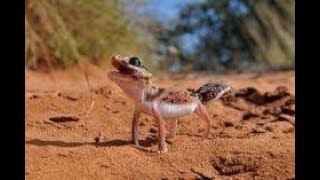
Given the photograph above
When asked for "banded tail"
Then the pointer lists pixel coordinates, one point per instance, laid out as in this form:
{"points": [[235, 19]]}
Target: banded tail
{"points": [[212, 91]]}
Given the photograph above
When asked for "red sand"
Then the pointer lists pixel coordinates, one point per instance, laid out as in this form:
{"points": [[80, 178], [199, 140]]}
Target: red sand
{"points": [[259, 147]]}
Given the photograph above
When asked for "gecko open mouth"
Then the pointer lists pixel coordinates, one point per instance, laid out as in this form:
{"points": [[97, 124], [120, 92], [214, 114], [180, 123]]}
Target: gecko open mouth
{"points": [[129, 67], [122, 66]]}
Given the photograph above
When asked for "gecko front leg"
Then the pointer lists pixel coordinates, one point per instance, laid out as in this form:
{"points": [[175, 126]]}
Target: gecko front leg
{"points": [[172, 128], [162, 132], [135, 125]]}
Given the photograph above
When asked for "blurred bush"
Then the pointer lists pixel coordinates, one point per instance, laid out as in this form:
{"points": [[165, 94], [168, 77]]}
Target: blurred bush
{"points": [[229, 35], [63, 32], [216, 36]]}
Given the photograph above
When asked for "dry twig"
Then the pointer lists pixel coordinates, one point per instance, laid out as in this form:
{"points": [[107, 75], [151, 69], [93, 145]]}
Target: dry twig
{"points": [[93, 97]]}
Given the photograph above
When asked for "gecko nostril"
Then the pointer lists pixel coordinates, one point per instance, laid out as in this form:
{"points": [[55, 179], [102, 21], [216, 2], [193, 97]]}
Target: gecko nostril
{"points": [[115, 57]]}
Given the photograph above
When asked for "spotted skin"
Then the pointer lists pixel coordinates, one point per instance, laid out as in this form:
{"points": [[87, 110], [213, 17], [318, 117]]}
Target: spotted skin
{"points": [[165, 105]]}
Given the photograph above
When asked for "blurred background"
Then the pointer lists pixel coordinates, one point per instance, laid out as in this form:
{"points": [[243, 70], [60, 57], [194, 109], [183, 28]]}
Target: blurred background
{"points": [[216, 36]]}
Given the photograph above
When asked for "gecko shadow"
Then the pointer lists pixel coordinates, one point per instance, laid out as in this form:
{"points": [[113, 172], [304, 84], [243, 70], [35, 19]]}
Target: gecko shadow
{"points": [[113, 143]]}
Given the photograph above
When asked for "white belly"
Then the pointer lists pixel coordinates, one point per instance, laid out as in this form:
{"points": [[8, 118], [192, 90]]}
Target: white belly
{"points": [[173, 111]]}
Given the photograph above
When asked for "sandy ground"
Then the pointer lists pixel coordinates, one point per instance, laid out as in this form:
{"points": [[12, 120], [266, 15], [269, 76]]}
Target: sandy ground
{"points": [[250, 138]]}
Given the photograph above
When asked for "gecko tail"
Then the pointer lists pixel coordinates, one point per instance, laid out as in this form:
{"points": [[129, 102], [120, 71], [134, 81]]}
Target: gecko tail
{"points": [[212, 91]]}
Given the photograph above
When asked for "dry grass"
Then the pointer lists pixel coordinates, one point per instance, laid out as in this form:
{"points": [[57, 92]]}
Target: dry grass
{"points": [[278, 48], [64, 32]]}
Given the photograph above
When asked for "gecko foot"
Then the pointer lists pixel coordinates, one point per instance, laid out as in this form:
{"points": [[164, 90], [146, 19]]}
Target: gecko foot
{"points": [[163, 151]]}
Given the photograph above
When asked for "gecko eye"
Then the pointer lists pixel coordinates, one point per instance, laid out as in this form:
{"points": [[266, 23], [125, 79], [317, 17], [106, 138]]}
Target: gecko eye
{"points": [[135, 61]]}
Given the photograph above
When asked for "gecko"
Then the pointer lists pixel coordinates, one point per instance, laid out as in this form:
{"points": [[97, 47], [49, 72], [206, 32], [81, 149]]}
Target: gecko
{"points": [[165, 105]]}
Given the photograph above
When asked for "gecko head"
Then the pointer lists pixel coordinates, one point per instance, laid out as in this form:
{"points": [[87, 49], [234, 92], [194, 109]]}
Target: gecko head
{"points": [[130, 75], [129, 68]]}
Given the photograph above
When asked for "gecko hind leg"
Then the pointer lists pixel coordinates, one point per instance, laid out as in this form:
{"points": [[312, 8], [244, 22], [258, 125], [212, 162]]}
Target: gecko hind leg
{"points": [[202, 113]]}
